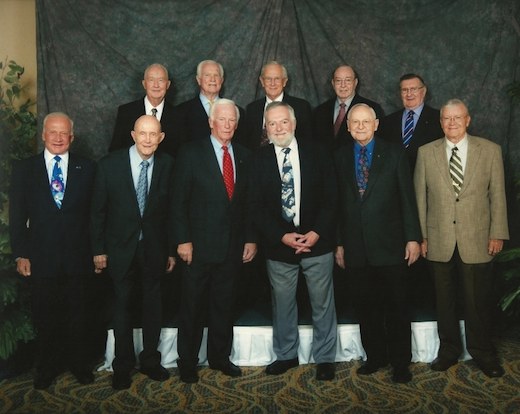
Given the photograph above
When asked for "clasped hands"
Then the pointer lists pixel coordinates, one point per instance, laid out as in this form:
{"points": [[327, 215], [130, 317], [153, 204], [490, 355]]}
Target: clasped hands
{"points": [[301, 243]]}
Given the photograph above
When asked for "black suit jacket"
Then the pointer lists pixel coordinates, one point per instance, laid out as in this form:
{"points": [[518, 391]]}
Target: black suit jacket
{"points": [[128, 113], [255, 119], [203, 213], [56, 240], [323, 122], [317, 205], [116, 222], [375, 229], [428, 129], [191, 121]]}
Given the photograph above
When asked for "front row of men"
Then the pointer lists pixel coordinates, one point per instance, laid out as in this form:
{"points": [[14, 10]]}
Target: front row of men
{"points": [[212, 208]]}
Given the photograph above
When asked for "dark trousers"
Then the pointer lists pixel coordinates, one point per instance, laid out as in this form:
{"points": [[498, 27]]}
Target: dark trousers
{"points": [[380, 298], [210, 287], [58, 308], [139, 287], [473, 284]]}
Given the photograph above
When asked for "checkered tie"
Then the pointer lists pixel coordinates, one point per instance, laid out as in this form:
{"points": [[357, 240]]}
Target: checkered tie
{"points": [[288, 201], [142, 186], [408, 129], [457, 176]]}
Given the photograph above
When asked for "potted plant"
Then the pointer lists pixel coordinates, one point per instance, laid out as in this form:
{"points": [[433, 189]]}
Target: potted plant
{"points": [[17, 141]]}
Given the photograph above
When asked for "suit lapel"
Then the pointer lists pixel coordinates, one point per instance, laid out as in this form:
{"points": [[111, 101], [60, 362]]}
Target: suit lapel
{"points": [[474, 151], [209, 159], [378, 158], [439, 154]]}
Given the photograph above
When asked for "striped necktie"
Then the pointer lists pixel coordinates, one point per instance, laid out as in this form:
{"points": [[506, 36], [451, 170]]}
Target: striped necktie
{"points": [[408, 129], [457, 176]]}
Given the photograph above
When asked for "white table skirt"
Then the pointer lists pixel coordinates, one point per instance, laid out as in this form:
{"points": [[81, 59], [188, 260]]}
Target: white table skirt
{"points": [[253, 345]]}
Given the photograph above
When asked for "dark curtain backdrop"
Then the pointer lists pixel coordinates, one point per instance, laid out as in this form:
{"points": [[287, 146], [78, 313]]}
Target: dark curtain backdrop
{"points": [[92, 54]]}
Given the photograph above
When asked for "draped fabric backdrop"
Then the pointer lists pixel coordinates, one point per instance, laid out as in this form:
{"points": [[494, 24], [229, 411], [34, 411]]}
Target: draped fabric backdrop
{"points": [[92, 54]]}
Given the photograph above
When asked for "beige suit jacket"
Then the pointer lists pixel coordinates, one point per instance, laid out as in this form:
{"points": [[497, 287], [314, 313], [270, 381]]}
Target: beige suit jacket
{"points": [[470, 220]]}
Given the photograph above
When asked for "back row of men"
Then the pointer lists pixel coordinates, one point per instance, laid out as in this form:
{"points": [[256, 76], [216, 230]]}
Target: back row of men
{"points": [[208, 209], [327, 123]]}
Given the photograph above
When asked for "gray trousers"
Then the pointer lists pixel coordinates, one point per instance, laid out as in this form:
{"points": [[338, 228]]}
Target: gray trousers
{"points": [[284, 279]]}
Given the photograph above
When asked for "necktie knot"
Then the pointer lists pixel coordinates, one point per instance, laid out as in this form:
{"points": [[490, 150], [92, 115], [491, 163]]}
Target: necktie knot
{"points": [[286, 151], [57, 158], [154, 112], [144, 164]]}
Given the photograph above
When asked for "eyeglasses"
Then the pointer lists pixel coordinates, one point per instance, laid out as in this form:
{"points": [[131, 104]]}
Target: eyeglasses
{"points": [[456, 118], [413, 90], [348, 81]]}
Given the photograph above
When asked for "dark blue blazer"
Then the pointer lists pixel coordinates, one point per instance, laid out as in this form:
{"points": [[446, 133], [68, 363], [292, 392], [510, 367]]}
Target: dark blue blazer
{"points": [[54, 240]]}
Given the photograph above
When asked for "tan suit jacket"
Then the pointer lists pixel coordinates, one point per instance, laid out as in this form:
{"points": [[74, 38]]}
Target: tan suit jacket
{"points": [[476, 215]]}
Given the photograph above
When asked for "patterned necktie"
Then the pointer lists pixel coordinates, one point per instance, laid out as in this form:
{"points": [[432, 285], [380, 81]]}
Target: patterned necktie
{"points": [[457, 176], [227, 172], [362, 171], [288, 201], [408, 129], [154, 112], [339, 118], [142, 186], [57, 185]]}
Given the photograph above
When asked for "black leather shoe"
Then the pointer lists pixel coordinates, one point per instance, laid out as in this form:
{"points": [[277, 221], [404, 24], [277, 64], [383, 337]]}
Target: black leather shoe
{"points": [[281, 366], [370, 367], [43, 380], [325, 371], [121, 380], [83, 376], [157, 373], [491, 369], [228, 368], [442, 364], [188, 375], [401, 374]]}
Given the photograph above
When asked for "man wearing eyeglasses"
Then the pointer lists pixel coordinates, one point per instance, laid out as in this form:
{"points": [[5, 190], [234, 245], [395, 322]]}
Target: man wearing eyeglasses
{"points": [[274, 79], [423, 124], [459, 184], [330, 118]]}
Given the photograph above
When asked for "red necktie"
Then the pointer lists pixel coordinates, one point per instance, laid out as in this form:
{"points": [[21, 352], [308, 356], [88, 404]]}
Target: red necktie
{"points": [[340, 118], [227, 172]]}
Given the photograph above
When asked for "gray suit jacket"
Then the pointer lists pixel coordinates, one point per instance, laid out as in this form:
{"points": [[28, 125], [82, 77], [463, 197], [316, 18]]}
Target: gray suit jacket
{"points": [[476, 215]]}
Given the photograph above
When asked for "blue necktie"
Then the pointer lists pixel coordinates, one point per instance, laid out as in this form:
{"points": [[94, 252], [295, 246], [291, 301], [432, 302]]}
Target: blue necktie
{"points": [[57, 185], [362, 171], [287, 187], [408, 129], [142, 186]]}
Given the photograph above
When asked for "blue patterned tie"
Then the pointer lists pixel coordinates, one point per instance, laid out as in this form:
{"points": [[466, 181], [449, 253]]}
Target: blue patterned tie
{"points": [[142, 186], [362, 171], [408, 129], [57, 185], [287, 187]]}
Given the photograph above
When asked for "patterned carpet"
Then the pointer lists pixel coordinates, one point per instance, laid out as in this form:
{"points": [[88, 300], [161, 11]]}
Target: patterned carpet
{"points": [[463, 389]]}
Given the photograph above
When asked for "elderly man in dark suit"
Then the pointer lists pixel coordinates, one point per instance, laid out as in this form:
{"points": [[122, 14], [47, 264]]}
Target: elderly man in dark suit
{"points": [[459, 182], [414, 125], [131, 237], [191, 116], [213, 239], [156, 83], [49, 216], [273, 78], [329, 118], [294, 200], [379, 234]]}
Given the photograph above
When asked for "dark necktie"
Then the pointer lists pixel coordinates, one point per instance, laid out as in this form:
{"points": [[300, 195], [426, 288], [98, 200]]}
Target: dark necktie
{"points": [[362, 171], [339, 118], [154, 112], [142, 186], [457, 176], [288, 201], [227, 172], [408, 129], [57, 185]]}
